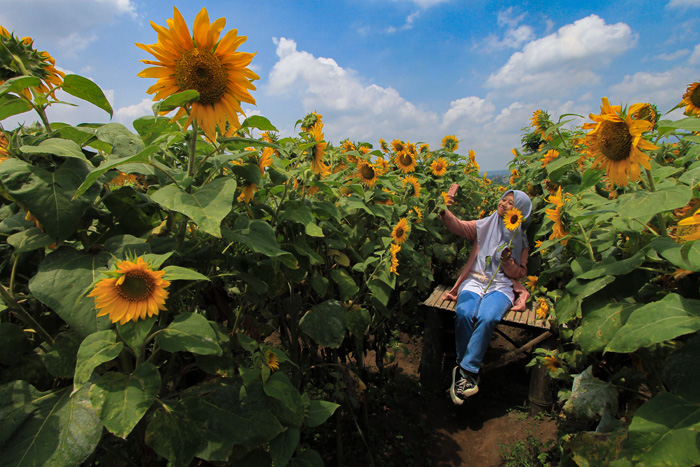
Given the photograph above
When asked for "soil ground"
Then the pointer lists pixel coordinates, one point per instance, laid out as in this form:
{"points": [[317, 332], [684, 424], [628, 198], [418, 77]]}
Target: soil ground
{"points": [[474, 434]]}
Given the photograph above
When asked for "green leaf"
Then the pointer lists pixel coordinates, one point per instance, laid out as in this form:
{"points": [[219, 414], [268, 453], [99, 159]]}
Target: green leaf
{"points": [[47, 195], [307, 458], [50, 428], [290, 409], [601, 321], [665, 431], [346, 284], [29, 240], [615, 267], [134, 333], [283, 446], [18, 84], [671, 251], [325, 323], [173, 434], [681, 371], [259, 237], [176, 100], [61, 358], [690, 177], [259, 122], [96, 349], [84, 89], [124, 399], [319, 411], [57, 147], [13, 343], [689, 123], [657, 322], [189, 332], [174, 273], [590, 397], [60, 281], [207, 207], [592, 449], [11, 105], [357, 321], [113, 163], [664, 199], [380, 290], [560, 162]]}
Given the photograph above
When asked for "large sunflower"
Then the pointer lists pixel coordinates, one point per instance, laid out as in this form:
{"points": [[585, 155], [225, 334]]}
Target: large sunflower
{"points": [[555, 216], [367, 172], [693, 220], [397, 145], [18, 57], [450, 142], [691, 99], [513, 218], [439, 167], [202, 62], [413, 181], [549, 156], [134, 291], [319, 150], [616, 142], [400, 232], [405, 161]]}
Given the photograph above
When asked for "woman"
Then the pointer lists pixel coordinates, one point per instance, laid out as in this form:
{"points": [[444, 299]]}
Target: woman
{"points": [[485, 289]]}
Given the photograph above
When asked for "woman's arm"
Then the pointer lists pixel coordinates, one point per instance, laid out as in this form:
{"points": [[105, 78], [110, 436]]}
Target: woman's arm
{"points": [[511, 268], [456, 226]]}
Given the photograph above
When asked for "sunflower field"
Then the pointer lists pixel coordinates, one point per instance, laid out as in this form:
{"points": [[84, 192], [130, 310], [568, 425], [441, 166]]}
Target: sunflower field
{"points": [[203, 289]]}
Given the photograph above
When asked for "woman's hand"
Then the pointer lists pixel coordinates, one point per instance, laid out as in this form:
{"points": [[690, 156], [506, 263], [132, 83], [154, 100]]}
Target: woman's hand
{"points": [[505, 254]]}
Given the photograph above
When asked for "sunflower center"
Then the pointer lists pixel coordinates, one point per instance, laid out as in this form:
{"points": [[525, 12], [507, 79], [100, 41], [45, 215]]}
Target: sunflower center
{"points": [[695, 96], [514, 219], [614, 140], [399, 232], [200, 70], [136, 286], [405, 159], [367, 172]]}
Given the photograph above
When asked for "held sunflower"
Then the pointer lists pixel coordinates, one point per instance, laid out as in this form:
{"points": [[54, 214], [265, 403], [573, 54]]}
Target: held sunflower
{"points": [[616, 142], [691, 99], [513, 218], [400, 232], [202, 62], [133, 292]]}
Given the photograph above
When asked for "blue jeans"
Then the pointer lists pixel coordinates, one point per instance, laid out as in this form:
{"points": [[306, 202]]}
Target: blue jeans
{"points": [[475, 320]]}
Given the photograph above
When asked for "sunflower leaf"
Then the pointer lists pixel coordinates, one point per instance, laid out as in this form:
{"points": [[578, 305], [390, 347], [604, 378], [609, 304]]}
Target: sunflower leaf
{"points": [[84, 89], [189, 332], [96, 349], [57, 147], [175, 101], [11, 105], [18, 84]]}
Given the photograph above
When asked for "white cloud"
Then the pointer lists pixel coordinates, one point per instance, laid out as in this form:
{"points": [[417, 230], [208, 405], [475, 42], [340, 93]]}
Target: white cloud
{"points": [[468, 110], [424, 3], [684, 4], [695, 56], [665, 89], [350, 108], [564, 59], [126, 115], [674, 55], [69, 26], [514, 37], [508, 18], [407, 25]]}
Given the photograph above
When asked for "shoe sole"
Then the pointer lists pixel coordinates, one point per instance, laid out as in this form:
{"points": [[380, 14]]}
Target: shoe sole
{"points": [[471, 391], [455, 400]]}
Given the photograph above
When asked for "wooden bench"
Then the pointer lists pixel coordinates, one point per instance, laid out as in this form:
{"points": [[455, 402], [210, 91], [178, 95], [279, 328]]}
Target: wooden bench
{"points": [[438, 356]]}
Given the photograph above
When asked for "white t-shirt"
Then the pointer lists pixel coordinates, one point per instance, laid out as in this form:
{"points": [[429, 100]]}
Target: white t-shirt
{"points": [[477, 280]]}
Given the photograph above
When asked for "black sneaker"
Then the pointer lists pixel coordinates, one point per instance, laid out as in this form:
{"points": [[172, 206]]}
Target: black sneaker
{"points": [[472, 386], [464, 384]]}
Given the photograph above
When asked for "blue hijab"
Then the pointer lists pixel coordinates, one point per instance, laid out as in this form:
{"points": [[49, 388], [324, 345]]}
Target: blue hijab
{"points": [[491, 231]]}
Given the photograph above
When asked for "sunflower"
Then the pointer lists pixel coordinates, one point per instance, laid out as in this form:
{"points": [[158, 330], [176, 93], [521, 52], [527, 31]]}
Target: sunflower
{"points": [[413, 181], [552, 363], [271, 360], [383, 145], [419, 214], [387, 201], [310, 120], [423, 149], [394, 260], [616, 142], [202, 62], [691, 99], [542, 309], [319, 150], [514, 175], [410, 148], [400, 232], [439, 167], [397, 145], [540, 121], [513, 219], [125, 179], [445, 197], [450, 142], [381, 166], [347, 145], [487, 181], [4, 145], [133, 292], [555, 216], [693, 220], [265, 160], [405, 161], [549, 156], [367, 173], [18, 57], [531, 282]]}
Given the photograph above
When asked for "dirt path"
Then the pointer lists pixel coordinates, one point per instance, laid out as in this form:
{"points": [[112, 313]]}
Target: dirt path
{"points": [[477, 433]]}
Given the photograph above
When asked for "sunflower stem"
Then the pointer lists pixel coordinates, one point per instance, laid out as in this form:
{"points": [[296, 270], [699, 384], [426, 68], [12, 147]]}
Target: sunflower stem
{"points": [[659, 216], [23, 315], [500, 260], [192, 150], [588, 241]]}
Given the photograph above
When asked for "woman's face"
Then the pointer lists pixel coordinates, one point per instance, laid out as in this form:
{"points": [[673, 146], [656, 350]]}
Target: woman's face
{"points": [[505, 204]]}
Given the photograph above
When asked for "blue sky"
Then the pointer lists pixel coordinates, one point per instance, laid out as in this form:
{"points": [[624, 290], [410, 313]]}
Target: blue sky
{"points": [[411, 69]]}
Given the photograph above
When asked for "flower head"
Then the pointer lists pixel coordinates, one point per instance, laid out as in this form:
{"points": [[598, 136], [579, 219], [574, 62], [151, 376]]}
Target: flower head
{"points": [[271, 360], [383, 145], [616, 142], [400, 232], [413, 181], [134, 291], [439, 167], [406, 161], [319, 150], [555, 216], [367, 172], [395, 248], [549, 156], [691, 99], [692, 220], [450, 142], [542, 310], [540, 121], [202, 62], [397, 145], [552, 363], [310, 120], [513, 218], [531, 282]]}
